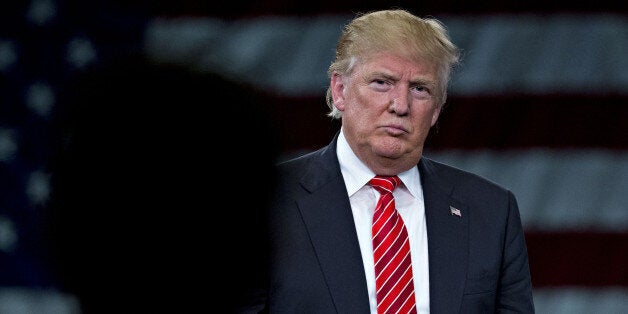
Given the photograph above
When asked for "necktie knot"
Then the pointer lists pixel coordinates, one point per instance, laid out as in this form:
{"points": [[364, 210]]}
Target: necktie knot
{"points": [[385, 184]]}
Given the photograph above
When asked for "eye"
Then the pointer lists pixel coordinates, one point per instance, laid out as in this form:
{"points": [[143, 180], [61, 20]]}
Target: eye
{"points": [[380, 84], [420, 89]]}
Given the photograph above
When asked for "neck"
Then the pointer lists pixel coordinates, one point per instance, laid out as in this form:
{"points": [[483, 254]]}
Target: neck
{"points": [[389, 167]]}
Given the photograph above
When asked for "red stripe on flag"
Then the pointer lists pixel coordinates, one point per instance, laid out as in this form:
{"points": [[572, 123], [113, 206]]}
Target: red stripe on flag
{"points": [[592, 259]]}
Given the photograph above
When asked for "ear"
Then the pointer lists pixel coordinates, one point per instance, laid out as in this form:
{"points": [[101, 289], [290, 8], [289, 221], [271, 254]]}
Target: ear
{"points": [[435, 114], [338, 91]]}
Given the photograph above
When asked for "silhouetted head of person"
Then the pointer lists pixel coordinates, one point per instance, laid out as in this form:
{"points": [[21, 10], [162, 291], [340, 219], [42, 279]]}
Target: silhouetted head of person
{"points": [[159, 188]]}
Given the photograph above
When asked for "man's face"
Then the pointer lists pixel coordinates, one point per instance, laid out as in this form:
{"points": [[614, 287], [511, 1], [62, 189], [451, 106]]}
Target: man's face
{"points": [[389, 104]]}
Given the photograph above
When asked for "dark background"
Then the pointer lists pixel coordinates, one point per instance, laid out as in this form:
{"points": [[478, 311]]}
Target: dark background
{"points": [[44, 44]]}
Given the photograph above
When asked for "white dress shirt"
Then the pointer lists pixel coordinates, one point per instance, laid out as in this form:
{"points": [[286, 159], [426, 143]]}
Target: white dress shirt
{"points": [[409, 204]]}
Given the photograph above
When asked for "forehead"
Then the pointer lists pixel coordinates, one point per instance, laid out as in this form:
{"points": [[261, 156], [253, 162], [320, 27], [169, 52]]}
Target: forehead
{"points": [[396, 64]]}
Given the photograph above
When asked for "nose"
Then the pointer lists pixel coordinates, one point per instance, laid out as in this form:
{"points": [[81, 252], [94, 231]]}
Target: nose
{"points": [[400, 103]]}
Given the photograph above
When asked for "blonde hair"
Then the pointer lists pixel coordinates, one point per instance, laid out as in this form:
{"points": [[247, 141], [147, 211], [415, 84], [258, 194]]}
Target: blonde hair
{"points": [[394, 30]]}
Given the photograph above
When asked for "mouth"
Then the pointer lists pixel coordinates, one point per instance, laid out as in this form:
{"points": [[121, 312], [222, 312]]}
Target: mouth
{"points": [[394, 129]]}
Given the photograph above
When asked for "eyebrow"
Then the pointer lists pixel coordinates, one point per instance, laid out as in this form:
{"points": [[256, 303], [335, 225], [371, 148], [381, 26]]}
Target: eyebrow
{"points": [[382, 74], [419, 81]]}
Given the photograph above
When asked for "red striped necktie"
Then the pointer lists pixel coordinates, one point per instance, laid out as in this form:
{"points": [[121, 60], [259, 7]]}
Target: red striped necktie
{"points": [[391, 252]]}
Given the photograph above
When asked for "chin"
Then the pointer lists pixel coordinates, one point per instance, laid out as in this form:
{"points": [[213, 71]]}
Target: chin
{"points": [[390, 152]]}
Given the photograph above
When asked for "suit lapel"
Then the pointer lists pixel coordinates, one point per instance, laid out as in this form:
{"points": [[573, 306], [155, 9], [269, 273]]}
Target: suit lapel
{"points": [[332, 231], [447, 233]]}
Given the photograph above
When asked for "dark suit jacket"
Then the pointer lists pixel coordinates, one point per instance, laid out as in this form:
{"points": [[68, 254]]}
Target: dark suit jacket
{"points": [[477, 261]]}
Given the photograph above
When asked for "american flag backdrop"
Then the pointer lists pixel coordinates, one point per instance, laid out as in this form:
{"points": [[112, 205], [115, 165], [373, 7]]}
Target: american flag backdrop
{"points": [[43, 43], [539, 105]]}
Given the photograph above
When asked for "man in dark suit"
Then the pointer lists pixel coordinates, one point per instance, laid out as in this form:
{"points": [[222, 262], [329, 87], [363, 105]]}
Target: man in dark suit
{"points": [[466, 244]]}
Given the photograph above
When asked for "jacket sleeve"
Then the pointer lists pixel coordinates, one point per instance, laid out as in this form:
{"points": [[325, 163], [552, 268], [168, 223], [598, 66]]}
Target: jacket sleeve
{"points": [[515, 287]]}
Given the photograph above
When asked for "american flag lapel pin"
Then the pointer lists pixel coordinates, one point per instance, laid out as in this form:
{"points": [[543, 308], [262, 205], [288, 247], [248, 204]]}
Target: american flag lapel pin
{"points": [[454, 211]]}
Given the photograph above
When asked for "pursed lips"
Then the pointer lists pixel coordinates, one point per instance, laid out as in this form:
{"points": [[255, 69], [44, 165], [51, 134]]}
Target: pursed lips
{"points": [[395, 129]]}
